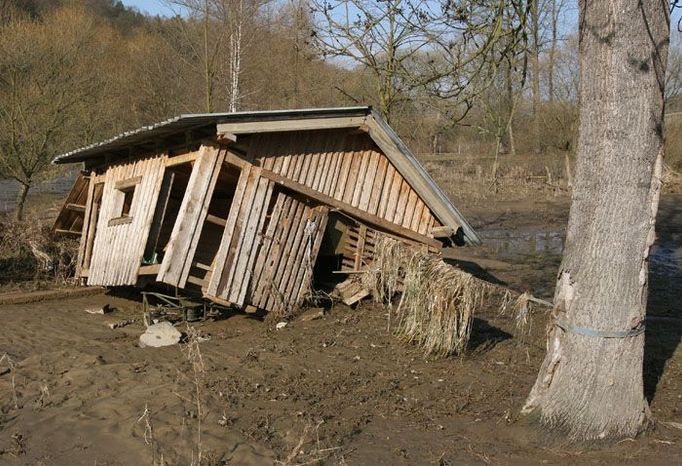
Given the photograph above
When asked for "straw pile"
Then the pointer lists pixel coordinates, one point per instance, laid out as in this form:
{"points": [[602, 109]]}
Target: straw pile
{"points": [[437, 301]]}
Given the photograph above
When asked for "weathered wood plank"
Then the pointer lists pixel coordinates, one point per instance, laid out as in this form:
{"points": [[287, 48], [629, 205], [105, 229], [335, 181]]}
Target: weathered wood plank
{"points": [[247, 283], [312, 245], [281, 229], [238, 233], [193, 210], [221, 266], [160, 213], [352, 211], [290, 125], [87, 233], [266, 246], [243, 263]]}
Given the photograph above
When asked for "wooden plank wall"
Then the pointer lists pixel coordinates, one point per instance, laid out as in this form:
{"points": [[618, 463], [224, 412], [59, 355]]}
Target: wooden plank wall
{"points": [[348, 166], [287, 256], [184, 238], [235, 259], [92, 203], [70, 218], [117, 249]]}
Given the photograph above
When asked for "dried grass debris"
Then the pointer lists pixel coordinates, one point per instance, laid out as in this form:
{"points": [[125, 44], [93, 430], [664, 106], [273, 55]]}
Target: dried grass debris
{"points": [[437, 300]]}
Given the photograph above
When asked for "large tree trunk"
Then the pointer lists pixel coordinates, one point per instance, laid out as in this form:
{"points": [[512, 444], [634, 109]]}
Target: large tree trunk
{"points": [[590, 385]]}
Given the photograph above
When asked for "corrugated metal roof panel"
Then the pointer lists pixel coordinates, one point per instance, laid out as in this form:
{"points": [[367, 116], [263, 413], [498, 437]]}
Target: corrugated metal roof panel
{"points": [[184, 122]]}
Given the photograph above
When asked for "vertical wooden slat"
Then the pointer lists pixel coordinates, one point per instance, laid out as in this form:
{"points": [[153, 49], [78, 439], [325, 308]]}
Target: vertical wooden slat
{"points": [[92, 226], [349, 189], [266, 246], [402, 203], [264, 287], [361, 246], [386, 190], [243, 261], [237, 235], [322, 217], [409, 208], [346, 159], [396, 184], [221, 267], [312, 227], [370, 180], [159, 213], [275, 299], [425, 221], [377, 187], [359, 185], [187, 229], [85, 236]]}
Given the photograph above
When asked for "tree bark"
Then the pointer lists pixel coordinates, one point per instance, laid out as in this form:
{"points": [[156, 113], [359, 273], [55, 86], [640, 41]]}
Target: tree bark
{"points": [[591, 387], [21, 201]]}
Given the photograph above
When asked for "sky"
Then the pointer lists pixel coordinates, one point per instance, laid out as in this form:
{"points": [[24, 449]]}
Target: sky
{"points": [[161, 7], [152, 7]]}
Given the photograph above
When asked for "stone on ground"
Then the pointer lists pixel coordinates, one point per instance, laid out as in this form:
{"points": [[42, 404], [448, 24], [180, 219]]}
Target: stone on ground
{"points": [[161, 334]]}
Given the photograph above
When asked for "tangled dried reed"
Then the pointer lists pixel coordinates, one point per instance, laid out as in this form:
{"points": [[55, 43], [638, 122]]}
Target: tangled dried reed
{"points": [[437, 301]]}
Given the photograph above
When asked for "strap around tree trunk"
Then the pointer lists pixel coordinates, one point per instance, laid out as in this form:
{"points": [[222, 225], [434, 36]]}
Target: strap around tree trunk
{"points": [[589, 332]]}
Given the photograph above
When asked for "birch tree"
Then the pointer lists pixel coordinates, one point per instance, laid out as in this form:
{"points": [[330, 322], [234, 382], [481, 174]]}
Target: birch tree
{"points": [[590, 385]]}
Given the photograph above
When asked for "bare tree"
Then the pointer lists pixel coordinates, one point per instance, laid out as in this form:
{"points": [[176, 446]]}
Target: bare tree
{"points": [[534, 51], [216, 36], [200, 42], [590, 384], [378, 36], [419, 48], [50, 79], [673, 81], [556, 11]]}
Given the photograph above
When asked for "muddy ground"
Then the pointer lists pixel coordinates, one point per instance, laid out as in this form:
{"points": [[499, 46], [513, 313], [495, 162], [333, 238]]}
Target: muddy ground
{"points": [[339, 389]]}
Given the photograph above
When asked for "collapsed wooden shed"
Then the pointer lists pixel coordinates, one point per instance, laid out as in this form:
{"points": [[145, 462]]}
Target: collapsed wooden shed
{"points": [[248, 208]]}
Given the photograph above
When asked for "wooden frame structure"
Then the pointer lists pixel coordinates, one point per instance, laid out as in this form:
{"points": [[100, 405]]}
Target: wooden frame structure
{"points": [[237, 207]]}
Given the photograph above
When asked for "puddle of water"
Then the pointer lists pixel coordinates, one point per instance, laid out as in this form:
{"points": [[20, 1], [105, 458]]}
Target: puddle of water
{"points": [[664, 258], [516, 244], [9, 189]]}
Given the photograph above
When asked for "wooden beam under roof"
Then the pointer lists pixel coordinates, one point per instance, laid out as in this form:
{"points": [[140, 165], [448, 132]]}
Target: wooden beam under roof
{"points": [[289, 125]]}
